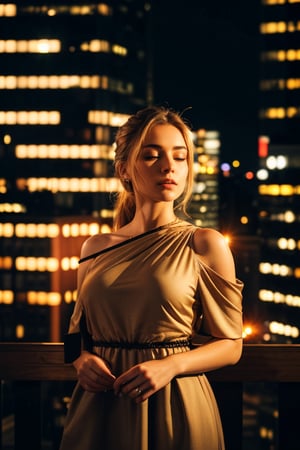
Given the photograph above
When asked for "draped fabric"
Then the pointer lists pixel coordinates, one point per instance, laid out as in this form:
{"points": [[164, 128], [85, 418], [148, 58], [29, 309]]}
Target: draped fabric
{"points": [[153, 288]]}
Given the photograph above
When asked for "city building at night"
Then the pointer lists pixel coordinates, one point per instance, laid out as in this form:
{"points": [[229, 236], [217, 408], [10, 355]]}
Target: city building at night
{"points": [[70, 74], [279, 170]]}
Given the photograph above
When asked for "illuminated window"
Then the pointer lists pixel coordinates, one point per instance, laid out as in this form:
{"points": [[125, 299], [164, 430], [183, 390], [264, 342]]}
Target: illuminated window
{"points": [[64, 82], [99, 46], [8, 10], [107, 118], [290, 112], [278, 2], [29, 117], [43, 298], [280, 84], [31, 46], [281, 55], [72, 184]]}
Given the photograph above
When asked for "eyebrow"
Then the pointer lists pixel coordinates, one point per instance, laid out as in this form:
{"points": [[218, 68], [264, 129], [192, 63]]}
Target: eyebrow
{"points": [[159, 147]]}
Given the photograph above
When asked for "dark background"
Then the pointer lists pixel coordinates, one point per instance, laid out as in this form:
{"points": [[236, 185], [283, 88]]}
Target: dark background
{"points": [[206, 56]]}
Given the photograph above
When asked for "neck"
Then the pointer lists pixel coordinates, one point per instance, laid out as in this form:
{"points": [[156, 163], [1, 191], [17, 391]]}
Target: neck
{"points": [[147, 219], [144, 222]]}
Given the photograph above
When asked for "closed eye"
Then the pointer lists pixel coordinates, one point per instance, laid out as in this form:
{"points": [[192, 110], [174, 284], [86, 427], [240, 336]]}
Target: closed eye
{"points": [[151, 157]]}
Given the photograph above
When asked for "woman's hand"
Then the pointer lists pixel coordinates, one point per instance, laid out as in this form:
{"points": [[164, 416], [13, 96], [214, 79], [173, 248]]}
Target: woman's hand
{"points": [[93, 373], [144, 379]]}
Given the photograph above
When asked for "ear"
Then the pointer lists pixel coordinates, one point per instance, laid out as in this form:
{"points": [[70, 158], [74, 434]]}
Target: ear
{"points": [[123, 172]]}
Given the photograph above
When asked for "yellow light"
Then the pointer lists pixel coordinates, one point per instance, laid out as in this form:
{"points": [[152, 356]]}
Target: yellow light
{"points": [[105, 228], [52, 264], [66, 230], [65, 264], [42, 298], [244, 220], [31, 297], [7, 139], [41, 264], [74, 229], [41, 230], [31, 264], [43, 46], [297, 272], [21, 263], [54, 298], [6, 262], [6, 297], [74, 262], [93, 228], [6, 229], [20, 331], [227, 238], [68, 297], [53, 230], [248, 331], [83, 229]]}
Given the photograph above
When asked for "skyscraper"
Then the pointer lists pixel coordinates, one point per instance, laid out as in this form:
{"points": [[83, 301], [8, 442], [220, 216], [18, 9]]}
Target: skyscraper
{"points": [[70, 74], [279, 174]]}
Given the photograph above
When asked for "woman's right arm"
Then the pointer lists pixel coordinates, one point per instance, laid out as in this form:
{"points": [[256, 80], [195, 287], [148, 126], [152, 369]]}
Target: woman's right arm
{"points": [[93, 372]]}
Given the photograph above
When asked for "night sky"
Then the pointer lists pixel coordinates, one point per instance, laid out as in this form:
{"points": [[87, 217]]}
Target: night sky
{"points": [[206, 58]]}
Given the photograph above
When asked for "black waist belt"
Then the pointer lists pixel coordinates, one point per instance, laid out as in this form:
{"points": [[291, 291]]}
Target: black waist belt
{"points": [[143, 345]]}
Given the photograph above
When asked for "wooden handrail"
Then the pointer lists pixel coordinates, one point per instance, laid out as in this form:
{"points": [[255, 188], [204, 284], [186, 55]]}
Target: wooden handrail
{"points": [[29, 364], [45, 361]]}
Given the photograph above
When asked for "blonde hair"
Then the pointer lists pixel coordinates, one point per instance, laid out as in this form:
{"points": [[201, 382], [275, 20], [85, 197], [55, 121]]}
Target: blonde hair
{"points": [[129, 141]]}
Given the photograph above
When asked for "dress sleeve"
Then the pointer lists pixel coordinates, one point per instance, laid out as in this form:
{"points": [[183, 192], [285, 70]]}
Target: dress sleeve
{"points": [[77, 338], [220, 306]]}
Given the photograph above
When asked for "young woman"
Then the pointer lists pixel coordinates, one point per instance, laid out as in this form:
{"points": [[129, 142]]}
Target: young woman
{"points": [[158, 306]]}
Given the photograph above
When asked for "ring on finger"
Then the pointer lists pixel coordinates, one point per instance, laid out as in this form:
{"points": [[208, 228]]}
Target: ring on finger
{"points": [[138, 391]]}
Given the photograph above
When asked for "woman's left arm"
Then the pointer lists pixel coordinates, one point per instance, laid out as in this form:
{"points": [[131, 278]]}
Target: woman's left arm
{"points": [[213, 250]]}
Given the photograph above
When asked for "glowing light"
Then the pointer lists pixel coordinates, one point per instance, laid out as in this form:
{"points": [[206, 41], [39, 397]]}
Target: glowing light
{"points": [[247, 331], [262, 174], [227, 238], [225, 167], [244, 220], [249, 175], [20, 331]]}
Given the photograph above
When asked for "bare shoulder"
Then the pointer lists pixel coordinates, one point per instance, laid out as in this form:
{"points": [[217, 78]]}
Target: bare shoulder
{"points": [[213, 249], [91, 245], [95, 243]]}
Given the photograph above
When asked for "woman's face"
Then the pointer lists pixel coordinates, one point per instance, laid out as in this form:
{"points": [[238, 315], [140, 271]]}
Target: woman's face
{"points": [[161, 168]]}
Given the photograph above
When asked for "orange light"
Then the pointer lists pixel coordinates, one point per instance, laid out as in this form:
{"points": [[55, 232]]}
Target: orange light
{"points": [[247, 331], [249, 175], [227, 238], [263, 146]]}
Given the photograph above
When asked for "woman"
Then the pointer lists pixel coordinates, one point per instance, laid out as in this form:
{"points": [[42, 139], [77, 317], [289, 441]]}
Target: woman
{"points": [[158, 306]]}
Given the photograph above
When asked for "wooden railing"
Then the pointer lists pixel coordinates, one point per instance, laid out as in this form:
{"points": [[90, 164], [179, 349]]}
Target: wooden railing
{"points": [[27, 365]]}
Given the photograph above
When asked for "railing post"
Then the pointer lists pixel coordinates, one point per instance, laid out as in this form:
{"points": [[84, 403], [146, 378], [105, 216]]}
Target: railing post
{"points": [[289, 413], [27, 397]]}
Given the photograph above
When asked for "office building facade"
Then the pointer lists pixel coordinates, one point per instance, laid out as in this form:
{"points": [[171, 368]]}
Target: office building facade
{"points": [[279, 170], [71, 72]]}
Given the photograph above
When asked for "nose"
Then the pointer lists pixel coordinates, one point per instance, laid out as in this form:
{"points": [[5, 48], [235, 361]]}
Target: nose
{"points": [[167, 164]]}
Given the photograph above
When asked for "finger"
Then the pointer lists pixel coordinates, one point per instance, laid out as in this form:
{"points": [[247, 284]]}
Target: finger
{"points": [[137, 392], [99, 383], [130, 387], [95, 387]]}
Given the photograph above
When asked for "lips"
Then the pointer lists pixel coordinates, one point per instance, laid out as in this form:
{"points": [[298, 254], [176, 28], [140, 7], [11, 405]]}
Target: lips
{"points": [[167, 181]]}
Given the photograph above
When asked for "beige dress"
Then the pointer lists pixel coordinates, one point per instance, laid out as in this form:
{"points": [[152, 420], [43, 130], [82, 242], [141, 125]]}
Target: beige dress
{"points": [[152, 288]]}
